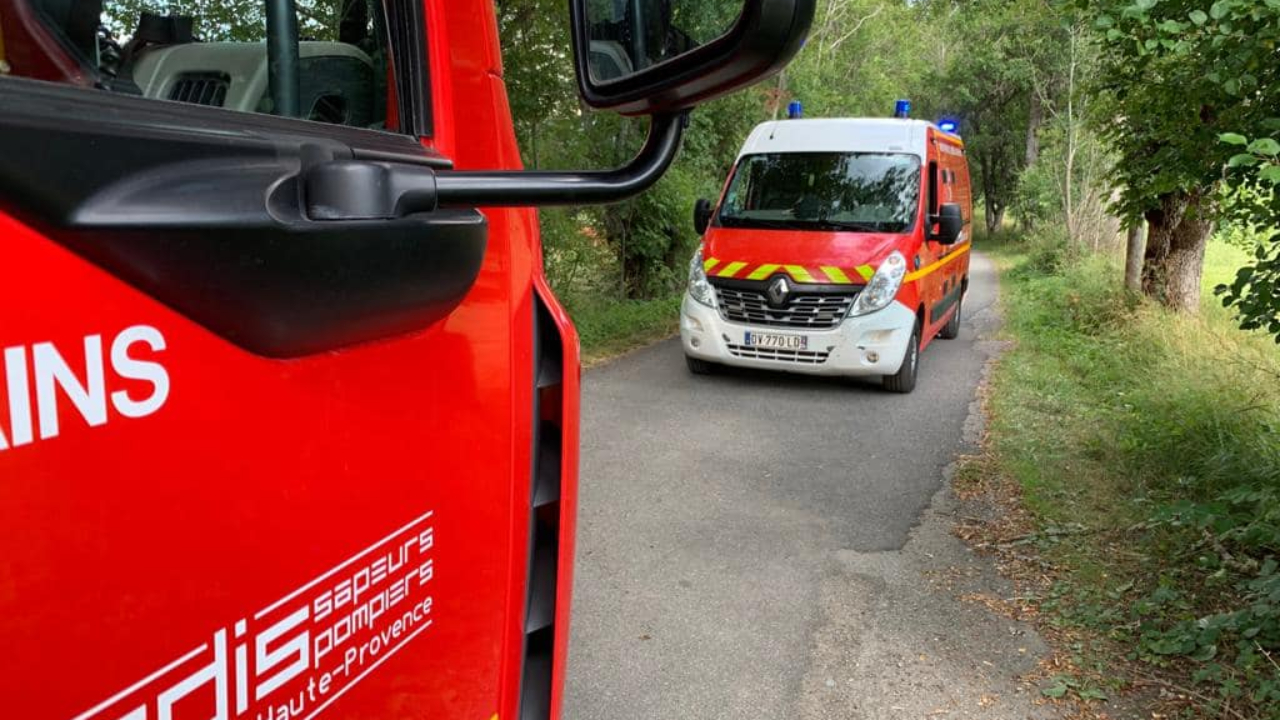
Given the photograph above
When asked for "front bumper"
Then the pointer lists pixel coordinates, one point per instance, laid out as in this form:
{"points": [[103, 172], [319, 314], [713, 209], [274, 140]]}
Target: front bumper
{"points": [[872, 344]]}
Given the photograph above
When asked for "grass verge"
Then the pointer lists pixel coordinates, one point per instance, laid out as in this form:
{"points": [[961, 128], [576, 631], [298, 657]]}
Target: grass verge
{"points": [[609, 327], [1143, 448]]}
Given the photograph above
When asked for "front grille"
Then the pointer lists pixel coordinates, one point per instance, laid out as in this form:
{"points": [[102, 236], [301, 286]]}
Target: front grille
{"points": [[802, 310], [803, 357], [201, 89]]}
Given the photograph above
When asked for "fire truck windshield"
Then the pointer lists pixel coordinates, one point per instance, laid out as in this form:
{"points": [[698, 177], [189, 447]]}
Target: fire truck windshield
{"points": [[858, 192]]}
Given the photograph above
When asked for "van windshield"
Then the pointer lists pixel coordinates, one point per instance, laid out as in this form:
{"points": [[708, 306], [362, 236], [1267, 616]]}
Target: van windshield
{"points": [[858, 192]]}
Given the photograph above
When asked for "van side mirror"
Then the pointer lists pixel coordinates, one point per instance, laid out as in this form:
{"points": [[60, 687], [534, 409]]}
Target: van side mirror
{"points": [[949, 222], [701, 215], [641, 57]]}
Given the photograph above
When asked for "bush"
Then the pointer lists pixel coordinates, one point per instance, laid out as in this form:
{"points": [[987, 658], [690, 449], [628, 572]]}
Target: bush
{"points": [[1050, 252], [607, 327]]}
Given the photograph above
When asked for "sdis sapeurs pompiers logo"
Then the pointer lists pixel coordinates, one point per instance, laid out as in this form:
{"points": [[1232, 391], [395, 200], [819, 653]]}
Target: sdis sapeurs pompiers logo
{"points": [[296, 656]]}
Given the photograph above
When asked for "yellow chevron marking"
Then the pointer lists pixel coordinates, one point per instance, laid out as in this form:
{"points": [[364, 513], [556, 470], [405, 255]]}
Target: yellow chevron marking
{"points": [[836, 274], [799, 273], [731, 269], [762, 272], [927, 269]]}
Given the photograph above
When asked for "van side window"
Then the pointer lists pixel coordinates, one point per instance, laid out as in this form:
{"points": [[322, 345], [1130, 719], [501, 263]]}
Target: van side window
{"points": [[933, 187], [214, 53]]}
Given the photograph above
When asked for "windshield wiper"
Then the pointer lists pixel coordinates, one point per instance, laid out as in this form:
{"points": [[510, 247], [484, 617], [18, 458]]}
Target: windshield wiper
{"points": [[732, 221], [850, 226]]}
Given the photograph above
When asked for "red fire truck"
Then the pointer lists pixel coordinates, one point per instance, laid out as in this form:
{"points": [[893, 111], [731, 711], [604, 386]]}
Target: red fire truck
{"points": [[288, 423]]}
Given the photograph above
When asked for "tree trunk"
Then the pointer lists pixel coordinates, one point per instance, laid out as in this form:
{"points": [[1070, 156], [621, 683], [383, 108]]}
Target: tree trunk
{"points": [[1174, 256], [1133, 257], [995, 216], [780, 92], [1035, 117], [988, 171]]}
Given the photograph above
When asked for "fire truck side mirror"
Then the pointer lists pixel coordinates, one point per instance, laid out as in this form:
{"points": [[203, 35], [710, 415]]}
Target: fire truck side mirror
{"points": [[645, 57], [701, 215], [639, 57]]}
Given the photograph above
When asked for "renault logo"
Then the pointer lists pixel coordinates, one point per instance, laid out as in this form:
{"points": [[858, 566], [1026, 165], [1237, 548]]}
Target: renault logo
{"points": [[779, 290]]}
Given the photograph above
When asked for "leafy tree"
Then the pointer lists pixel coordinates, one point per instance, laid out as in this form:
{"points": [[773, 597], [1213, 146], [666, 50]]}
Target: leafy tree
{"points": [[999, 73], [861, 56], [1176, 74]]}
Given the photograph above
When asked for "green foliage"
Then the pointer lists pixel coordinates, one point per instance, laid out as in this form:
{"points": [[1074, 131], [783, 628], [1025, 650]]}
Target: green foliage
{"points": [[1049, 251], [998, 74], [1162, 433], [1254, 208], [1245, 211], [1037, 199], [226, 20], [608, 326], [1177, 74], [861, 56]]}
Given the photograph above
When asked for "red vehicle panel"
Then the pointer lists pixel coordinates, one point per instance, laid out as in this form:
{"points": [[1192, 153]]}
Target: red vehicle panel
{"points": [[288, 411], [196, 529]]}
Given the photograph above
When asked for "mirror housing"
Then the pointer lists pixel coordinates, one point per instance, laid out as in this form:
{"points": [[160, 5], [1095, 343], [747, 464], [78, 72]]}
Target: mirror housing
{"points": [[950, 222], [701, 216], [765, 37]]}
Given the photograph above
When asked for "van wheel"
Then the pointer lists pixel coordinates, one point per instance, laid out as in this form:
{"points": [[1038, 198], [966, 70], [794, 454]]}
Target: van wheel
{"points": [[699, 367], [904, 381], [951, 330]]}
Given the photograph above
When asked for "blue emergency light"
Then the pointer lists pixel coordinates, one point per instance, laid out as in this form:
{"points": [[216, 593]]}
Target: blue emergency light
{"points": [[949, 125], [794, 109], [902, 109]]}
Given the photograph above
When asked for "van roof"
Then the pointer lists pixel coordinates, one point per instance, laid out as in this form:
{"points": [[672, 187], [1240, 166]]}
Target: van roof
{"points": [[841, 135]]}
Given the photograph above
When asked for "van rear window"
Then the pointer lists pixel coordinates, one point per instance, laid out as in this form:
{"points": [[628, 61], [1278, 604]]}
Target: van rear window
{"points": [[858, 192]]}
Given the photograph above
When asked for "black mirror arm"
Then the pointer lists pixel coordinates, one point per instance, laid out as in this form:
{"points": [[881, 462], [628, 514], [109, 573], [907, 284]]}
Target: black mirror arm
{"points": [[365, 190], [520, 188]]}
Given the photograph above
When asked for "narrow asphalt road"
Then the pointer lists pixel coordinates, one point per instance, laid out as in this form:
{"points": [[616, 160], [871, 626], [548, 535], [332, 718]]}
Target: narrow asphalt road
{"points": [[743, 545]]}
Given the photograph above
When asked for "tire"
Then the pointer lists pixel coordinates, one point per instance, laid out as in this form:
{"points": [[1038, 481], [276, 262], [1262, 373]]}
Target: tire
{"points": [[699, 367], [951, 330], [904, 381]]}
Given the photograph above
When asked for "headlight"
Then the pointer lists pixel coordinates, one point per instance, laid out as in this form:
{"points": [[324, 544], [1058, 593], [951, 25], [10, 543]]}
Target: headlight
{"points": [[699, 288], [883, 287]]}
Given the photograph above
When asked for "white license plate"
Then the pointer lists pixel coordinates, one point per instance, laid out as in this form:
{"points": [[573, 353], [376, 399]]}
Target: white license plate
{"points": [[776, 340]]}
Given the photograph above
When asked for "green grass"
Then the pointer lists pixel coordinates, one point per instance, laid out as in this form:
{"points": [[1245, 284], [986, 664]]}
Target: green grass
{"points": [[1220, 264], [609, 327], [1160, 434]]}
